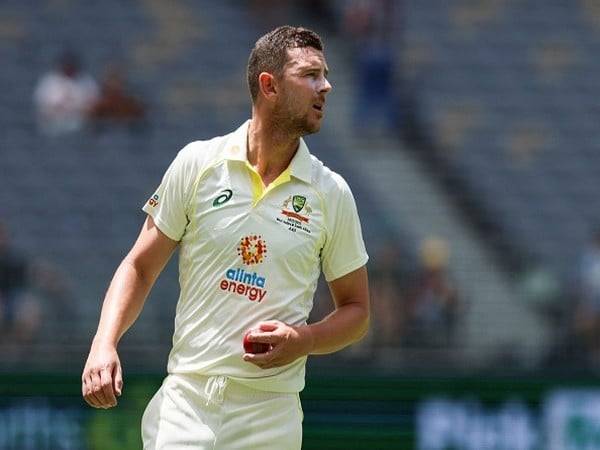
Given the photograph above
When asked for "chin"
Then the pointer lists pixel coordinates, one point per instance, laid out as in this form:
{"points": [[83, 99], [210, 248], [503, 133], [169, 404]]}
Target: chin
{"points": [[302, 126], [312, 128]]}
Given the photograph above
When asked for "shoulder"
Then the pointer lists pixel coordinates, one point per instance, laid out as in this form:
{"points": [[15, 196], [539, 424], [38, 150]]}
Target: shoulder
{"points": [[329, 183], [203, 153], [209, 152]]}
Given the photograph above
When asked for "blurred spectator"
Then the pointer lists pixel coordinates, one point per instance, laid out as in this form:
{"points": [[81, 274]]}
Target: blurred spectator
{"points": [[540, 289], [114, 105], [64, 96], [13, 277], [387, 280], [20, 314], [587, 311], [369, 25], [37, 313], [433, 301], [54, 289]]}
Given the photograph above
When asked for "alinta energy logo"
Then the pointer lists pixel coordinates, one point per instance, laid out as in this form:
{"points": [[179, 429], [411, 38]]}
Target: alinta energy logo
{"points": [[252, 250]]}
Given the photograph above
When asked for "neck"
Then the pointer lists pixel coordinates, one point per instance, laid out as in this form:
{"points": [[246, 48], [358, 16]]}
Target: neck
{"points": [[270, 148]]}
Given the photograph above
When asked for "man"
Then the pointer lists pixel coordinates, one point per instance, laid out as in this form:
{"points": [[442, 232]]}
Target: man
{"points": [[63, 97], [13, 281], [256, 217]]}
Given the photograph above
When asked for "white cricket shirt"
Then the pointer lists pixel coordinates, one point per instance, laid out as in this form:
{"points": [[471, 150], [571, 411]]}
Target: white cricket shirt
{"points": [[250, 253]]}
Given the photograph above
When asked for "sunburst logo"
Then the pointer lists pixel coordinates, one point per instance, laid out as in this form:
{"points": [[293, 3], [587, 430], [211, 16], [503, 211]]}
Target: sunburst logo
{"points": [[252, 249]]}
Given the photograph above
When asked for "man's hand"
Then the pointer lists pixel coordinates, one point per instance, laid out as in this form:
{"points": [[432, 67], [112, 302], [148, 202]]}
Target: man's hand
{"points": [[288, 344], [102, 379]]}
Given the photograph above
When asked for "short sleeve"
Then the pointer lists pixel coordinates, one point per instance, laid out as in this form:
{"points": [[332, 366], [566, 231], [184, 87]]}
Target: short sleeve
{"points": [[168, 206], [344, 250]]}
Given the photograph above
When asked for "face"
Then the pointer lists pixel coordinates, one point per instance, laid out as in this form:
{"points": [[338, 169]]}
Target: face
{"points": [[302, 90]]}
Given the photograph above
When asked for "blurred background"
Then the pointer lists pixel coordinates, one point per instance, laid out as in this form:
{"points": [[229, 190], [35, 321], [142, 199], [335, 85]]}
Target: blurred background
{"points": [[468, 131]]}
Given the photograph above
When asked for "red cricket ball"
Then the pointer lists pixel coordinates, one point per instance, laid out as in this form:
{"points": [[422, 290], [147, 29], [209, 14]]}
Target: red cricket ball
{"points": [[255, 347]]}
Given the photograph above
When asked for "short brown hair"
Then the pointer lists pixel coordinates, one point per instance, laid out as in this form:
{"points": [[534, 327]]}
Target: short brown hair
{"points": [[270, 52]]}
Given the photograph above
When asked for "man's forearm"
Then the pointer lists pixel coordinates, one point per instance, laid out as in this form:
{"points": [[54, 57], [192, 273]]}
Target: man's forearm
{"points": [[344, 326], [123, 302]]}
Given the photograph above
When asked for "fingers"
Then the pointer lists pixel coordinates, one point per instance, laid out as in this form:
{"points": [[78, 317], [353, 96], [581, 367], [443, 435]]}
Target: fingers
{"points": [[99, 387], [270, 325], [264, 338], [118, 380], [287, 343], [106, 382], [88, 392], [266, 360], [268, 332]]}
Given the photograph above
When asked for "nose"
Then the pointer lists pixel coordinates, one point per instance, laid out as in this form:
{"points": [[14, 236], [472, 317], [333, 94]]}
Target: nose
{"points": [[325, 86]]}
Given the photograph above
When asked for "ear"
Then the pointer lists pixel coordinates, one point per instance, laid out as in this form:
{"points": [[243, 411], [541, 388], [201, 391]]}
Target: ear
{"points": [[267, 85]]}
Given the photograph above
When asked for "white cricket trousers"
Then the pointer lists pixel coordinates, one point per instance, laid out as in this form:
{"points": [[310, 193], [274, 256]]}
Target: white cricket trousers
{"points": [[195, 412]]}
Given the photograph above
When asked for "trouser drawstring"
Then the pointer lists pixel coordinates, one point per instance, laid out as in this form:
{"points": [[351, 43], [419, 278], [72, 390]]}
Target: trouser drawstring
{"points": [[215, 389]]}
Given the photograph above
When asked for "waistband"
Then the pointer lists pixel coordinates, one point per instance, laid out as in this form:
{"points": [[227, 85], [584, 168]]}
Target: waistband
{"points": [[215, 389]]}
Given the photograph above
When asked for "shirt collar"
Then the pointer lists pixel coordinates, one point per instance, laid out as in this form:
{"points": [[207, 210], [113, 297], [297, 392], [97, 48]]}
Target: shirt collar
{"points": [[237, 150]]}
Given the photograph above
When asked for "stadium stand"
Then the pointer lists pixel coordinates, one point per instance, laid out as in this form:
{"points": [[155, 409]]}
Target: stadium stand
{"points": [[513, 113], [75, 199], [507, 100]]}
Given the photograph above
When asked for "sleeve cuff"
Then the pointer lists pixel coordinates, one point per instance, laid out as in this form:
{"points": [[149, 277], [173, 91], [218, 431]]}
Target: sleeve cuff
{"points": [[351, 267], [161, 225]]}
